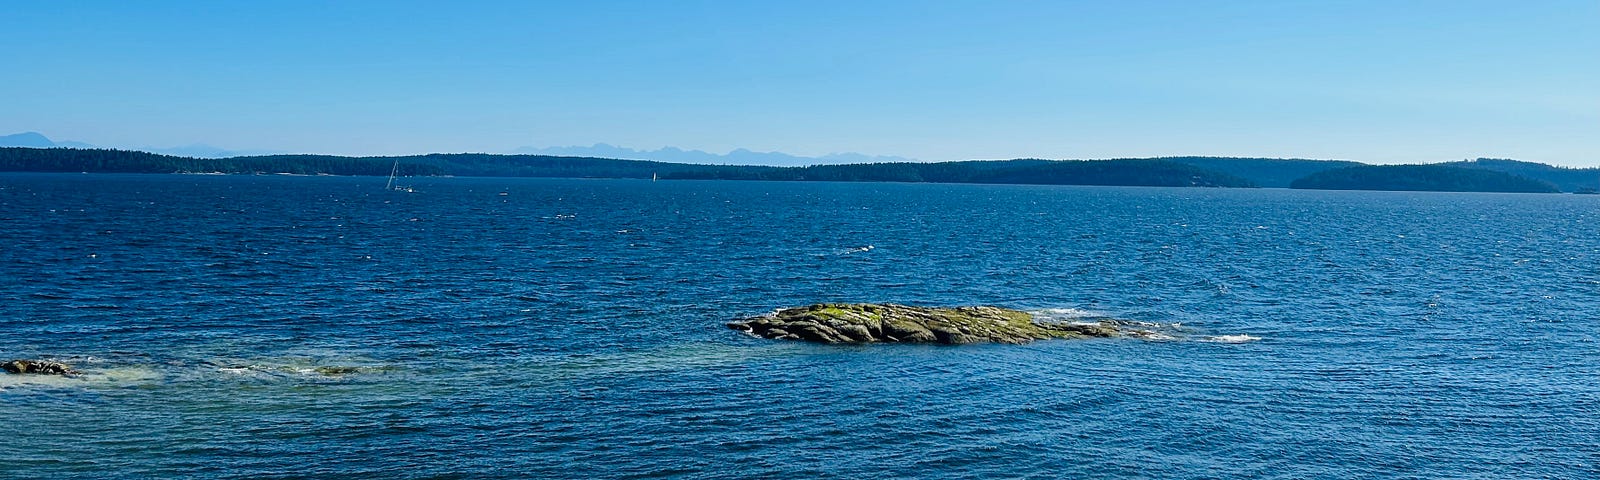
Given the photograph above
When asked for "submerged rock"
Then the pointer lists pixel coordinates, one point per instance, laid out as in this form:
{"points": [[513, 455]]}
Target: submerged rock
{"points": [[873, 323], [37, 367], [333, 371]]}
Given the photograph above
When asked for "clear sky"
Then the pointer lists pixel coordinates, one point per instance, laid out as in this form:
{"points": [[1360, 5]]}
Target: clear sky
{"points": [[1384, 81]]}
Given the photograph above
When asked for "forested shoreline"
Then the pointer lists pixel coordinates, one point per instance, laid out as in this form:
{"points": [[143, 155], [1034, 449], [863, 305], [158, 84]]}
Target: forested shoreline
{"points": [[1232, 172]]}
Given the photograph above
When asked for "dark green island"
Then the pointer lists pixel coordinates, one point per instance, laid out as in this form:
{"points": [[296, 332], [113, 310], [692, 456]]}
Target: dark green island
{"points": [[1432, 178], [1482, 175]]}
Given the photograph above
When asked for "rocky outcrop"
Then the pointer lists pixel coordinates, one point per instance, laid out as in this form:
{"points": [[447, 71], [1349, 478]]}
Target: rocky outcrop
{"points": [[874, 323], [37, 367], [335, 370]]}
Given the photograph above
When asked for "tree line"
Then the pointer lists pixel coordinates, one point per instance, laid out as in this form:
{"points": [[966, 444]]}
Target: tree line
{"points": [[1433, 178], [21, 159], [1473, 175]]}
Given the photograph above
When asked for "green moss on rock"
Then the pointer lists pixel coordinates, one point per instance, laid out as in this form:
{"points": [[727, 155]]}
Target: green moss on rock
{"points": [[891, 323]]}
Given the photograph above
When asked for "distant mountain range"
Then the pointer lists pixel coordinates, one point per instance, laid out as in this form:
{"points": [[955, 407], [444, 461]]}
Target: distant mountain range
{"points": [[37, 140], [737, 157], [599, 150], [198, 150]]}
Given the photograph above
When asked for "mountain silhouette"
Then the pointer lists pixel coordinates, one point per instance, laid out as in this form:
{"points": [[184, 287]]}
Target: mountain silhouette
{"points": [[26, 139], [198, 150], [736, 157]]}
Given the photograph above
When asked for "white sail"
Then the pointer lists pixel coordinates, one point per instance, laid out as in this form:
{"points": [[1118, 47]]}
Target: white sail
{"points": [[392, 171]]}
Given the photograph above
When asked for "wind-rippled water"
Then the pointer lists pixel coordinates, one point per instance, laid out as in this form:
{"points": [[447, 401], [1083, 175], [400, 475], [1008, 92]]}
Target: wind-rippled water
{"points": [[235, 326]]}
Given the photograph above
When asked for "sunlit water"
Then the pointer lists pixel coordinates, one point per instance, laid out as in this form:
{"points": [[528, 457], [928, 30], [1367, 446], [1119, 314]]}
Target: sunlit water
{"points": [[235, 326]]}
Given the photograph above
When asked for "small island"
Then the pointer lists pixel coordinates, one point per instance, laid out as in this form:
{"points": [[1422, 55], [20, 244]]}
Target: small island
{"points": [[891, 323]]}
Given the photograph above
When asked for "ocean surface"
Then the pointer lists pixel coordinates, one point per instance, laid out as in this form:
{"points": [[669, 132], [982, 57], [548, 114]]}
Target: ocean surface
{"points": [[278, 326]]}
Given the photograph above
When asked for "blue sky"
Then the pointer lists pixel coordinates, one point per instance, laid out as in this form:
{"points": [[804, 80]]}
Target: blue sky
{"points": [[1375, 81]]}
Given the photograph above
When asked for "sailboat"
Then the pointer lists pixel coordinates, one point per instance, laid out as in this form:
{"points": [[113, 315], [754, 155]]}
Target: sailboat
{"points": [[391, 186]]}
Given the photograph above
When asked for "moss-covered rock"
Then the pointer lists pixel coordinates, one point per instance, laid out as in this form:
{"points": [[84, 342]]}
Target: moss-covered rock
{"points": [[873, 322]]}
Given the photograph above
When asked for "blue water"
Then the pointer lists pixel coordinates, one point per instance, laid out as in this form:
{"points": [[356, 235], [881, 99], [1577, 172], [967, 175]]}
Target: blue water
{"points": [[270, 326]]}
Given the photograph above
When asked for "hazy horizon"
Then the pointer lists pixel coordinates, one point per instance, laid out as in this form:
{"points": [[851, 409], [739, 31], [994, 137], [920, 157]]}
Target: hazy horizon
{"points": [[671, 154]]}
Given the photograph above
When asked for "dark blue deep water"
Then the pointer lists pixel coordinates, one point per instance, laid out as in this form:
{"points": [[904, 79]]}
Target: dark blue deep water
{"points": [[236, 326]]}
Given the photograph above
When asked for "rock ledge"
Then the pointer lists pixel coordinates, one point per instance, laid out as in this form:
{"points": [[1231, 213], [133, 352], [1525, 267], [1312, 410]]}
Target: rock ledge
{"points": [[891, 323]]}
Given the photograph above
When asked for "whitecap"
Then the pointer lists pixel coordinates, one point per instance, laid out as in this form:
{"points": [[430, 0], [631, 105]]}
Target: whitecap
{"points": [[1066, 314], [866, 248], [1148, 325], [1241, 338]]}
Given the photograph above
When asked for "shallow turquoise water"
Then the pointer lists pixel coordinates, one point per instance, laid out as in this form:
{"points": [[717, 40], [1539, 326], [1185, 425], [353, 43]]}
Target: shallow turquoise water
{"points": [[573, 328]]}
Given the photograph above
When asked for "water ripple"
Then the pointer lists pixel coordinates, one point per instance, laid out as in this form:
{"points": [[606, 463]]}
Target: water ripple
{"points": [[313, 326]]}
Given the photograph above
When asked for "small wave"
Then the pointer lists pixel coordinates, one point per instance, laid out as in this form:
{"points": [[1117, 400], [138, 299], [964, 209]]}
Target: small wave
{"points": [[1137, 329], [1067, 315], [96, 306], [860, 249], [1150, 335], [315, 371], [1151, 325]]}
